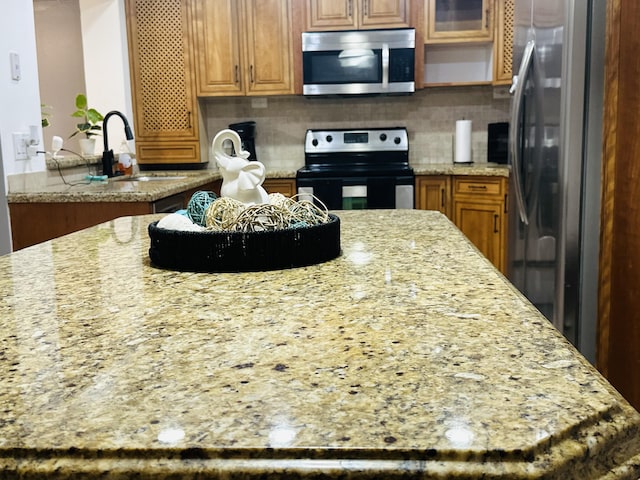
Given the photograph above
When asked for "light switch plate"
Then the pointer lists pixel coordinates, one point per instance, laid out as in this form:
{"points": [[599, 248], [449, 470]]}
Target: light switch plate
{"points": [[14, 59]]}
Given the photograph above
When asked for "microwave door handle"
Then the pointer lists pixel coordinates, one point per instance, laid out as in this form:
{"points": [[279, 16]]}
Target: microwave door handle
{"points": [[385, 65]]}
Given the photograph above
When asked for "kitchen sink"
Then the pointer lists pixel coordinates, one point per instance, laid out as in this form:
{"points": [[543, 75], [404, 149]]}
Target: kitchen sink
{"points": [[149, 178]]}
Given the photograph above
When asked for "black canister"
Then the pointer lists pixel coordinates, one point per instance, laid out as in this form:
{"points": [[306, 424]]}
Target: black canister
{"points": [[246, 131], [498, 142]]}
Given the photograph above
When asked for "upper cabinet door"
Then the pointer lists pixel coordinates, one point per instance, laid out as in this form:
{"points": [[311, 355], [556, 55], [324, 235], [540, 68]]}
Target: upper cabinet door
{"points": [[503, 44], [217, 45], [451, 21], [357, 14], [331, 14], [165, 105], [384, 13], [243, 47], [268, 51]]}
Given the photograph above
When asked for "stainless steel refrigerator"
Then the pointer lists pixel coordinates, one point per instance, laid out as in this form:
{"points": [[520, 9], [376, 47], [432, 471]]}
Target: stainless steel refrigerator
{"points": [[555, 147]]}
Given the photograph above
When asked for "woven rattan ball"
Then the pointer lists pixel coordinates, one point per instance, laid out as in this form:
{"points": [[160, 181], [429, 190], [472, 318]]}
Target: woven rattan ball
{"points": [[198, 205]]}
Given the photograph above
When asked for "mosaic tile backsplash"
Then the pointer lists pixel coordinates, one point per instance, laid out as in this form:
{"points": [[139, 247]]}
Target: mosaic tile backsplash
{"points": [[429, 116]]}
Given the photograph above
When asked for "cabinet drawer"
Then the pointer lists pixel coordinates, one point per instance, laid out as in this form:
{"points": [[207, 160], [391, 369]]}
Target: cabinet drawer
{"points": [[285, 186], [478, 186]]}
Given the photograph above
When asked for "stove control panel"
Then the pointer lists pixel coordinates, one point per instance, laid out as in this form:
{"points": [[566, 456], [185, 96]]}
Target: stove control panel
{"points": [[362, 140]]}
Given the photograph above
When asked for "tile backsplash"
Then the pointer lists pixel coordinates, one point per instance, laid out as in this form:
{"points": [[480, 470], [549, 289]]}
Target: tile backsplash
{"points": [[429, 116]]}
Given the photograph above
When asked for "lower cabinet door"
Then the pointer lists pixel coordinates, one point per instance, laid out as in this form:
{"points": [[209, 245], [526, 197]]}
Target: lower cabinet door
{"points": [[285, 186], [434, 193], [483, 224]]}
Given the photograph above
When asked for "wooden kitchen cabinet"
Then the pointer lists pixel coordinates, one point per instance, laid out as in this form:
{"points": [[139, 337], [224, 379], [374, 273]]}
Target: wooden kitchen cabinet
{"points": [[433, 192], [503, 43], [357, 14], [243, 47], [166, 120], [33, 223], [480, 211], [476, 204], [285, 186], [458, 21], [37, 222]]}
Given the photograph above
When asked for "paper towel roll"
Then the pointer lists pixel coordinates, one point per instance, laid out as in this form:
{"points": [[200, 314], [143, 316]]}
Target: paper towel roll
{"points": [[462, 152]]}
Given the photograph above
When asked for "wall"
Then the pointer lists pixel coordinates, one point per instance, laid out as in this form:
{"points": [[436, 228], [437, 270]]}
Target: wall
{"points": [[20, 100], [60, 66], [82, 48], [106, 62], [429, 116]]}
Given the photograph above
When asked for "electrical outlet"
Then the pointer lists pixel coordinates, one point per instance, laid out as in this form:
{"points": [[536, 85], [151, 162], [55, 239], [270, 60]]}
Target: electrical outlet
{"points": [[20, 144], [501, 93]]}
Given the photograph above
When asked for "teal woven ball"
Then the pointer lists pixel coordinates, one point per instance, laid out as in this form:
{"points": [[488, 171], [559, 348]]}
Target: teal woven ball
{"points": [[198, 205]]}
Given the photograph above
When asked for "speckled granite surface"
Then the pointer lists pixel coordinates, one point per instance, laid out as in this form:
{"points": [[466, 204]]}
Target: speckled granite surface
{"points": [[117, 189], [121, 189], [408, 356], [486, 169]]}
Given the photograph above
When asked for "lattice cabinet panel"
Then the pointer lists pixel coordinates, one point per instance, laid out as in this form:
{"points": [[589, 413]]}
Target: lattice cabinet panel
{"points": [[161, 69], [503, 46]]}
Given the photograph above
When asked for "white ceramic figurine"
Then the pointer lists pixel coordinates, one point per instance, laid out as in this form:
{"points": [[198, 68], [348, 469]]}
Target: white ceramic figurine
{"points": [[241, 178]]}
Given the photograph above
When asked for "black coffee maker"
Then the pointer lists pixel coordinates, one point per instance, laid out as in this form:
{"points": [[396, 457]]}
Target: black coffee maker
{"points": [[247, 131]]}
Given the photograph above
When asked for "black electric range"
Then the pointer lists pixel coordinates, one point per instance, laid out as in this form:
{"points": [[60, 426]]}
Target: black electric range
{"points": [[357, 168]]}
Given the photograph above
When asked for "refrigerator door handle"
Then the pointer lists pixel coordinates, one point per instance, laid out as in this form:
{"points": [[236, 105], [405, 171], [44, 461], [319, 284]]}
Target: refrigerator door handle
{"points": [[517, 89]]}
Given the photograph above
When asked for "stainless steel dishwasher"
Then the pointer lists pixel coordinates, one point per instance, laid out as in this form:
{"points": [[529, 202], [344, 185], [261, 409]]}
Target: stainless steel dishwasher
{"points": [[170, 204]]}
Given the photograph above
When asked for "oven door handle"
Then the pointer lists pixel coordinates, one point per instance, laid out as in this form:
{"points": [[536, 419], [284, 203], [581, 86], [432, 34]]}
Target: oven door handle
{"points": [[385, 65]]}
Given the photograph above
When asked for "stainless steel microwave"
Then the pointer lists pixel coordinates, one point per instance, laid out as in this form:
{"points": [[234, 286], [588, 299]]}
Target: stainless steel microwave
{"points": [[359, 62]]}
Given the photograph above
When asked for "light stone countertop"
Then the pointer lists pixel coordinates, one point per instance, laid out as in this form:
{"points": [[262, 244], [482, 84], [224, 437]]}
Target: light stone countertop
{"points": [[409, 356], [481, 169], [119, 189], [116, 190]]}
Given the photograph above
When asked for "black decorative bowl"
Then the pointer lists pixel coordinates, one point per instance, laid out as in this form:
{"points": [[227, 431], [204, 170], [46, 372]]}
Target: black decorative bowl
{"points": [[244, 251]]}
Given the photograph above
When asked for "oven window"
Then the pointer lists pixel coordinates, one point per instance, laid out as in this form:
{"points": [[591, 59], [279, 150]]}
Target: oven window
{"points": [[354, 197], [346, 66]]}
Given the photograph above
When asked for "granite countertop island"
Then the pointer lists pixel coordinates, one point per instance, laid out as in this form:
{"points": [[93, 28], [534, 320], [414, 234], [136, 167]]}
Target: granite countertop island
{"points": [[408, 356]]}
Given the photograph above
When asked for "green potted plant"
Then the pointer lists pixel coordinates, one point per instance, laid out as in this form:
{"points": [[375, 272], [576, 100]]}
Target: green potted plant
{"points": [[90, 125], [45, 111]]}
